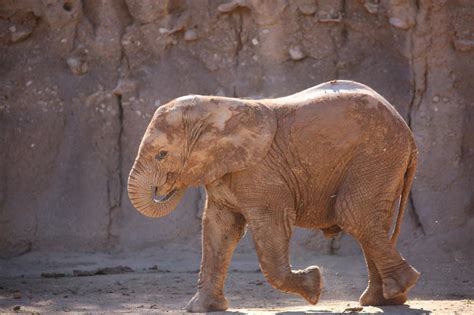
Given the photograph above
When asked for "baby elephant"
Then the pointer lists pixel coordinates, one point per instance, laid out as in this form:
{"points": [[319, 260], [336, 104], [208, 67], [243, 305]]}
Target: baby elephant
{"points": [[335, 157]]}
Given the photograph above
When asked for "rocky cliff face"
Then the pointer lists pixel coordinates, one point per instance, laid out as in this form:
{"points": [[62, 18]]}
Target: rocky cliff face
{"points": [[80, 80]]}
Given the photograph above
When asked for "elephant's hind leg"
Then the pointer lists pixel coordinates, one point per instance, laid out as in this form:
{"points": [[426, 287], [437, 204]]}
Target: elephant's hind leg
{"points": [[397, 276], [365, 207], [271, 236], [373, 294]]}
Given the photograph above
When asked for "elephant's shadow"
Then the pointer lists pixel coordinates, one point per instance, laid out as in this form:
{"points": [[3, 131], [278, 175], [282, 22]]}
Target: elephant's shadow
{"points": [[399, 309]]}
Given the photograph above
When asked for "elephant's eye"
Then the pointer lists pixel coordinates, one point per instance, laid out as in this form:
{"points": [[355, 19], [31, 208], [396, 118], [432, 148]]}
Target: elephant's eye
{"points": [[161, 155]]}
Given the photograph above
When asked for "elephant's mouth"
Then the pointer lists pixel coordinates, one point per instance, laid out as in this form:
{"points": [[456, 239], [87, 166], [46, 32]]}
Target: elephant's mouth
{"points": [[165, 198]]}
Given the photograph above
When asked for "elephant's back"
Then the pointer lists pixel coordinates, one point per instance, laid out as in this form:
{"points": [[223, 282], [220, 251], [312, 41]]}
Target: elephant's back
{"points": [[329, 122], [326, 89], [342, 105]]}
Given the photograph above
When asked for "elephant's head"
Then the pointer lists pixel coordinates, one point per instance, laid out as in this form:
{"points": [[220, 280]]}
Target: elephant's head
{"points": [[193, 141]]}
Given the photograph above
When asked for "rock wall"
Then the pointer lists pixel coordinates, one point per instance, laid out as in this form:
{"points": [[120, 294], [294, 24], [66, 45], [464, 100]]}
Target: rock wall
{"points": [[80, 80]]}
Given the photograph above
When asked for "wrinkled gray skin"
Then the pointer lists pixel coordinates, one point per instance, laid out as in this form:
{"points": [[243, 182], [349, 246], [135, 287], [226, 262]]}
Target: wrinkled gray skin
{"points": [[334, 157]]}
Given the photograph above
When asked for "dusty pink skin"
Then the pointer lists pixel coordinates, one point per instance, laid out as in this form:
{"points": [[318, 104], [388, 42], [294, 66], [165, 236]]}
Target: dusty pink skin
{"points": [[334, 157]]}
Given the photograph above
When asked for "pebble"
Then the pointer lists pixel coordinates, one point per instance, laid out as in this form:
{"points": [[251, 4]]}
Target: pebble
{"points": [[16, 307], [296, 53], [254, 41], [308, 7], [77, 66], [399, 23], [190, 35], [371, 7], [436, 99], [20, 35]]}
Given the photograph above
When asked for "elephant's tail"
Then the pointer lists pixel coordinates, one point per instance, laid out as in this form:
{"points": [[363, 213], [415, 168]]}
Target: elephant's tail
{"points": [[407, 182]]}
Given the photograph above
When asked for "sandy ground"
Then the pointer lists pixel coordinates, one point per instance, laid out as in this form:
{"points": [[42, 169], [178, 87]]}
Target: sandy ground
{"points": [[163, 280]]}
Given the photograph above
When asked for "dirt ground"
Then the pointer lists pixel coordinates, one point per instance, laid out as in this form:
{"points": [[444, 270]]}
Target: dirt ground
{"points": [[163, 280], [79, 81]]}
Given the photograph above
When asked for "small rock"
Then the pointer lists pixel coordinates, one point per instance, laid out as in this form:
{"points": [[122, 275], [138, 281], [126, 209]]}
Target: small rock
{"points": [[436, 99], [232, 5], [157, 103], [102, 271], [371, 7], [307, 7], [353, 309], [20, 35], [29, 83], [296, 53], [12, 29], [163, 30], [399, 23], [190, 35], [329, 17], [77, 65], [254, 41], [16, 307], [77, 61], [17, 295]]}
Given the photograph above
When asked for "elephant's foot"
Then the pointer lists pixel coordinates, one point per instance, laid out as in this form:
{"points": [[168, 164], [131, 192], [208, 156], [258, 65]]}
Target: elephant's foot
{"points": [[398, 282], [202, 302], [373, 296], [310, 284]]}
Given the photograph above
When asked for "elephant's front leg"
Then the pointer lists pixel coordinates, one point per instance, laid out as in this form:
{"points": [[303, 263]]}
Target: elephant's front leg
{"points": [[221, 232], [271, 234]]}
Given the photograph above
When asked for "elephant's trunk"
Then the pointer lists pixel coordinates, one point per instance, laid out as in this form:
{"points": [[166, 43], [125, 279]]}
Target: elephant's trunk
{"points": [[142, 193]]}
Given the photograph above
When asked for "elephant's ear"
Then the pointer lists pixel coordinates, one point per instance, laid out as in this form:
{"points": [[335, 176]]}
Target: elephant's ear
{"points": [[226, 135]]}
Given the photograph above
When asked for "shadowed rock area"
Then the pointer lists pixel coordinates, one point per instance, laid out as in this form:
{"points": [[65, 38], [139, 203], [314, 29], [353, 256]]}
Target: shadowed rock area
{"points": [[80, 81]]}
